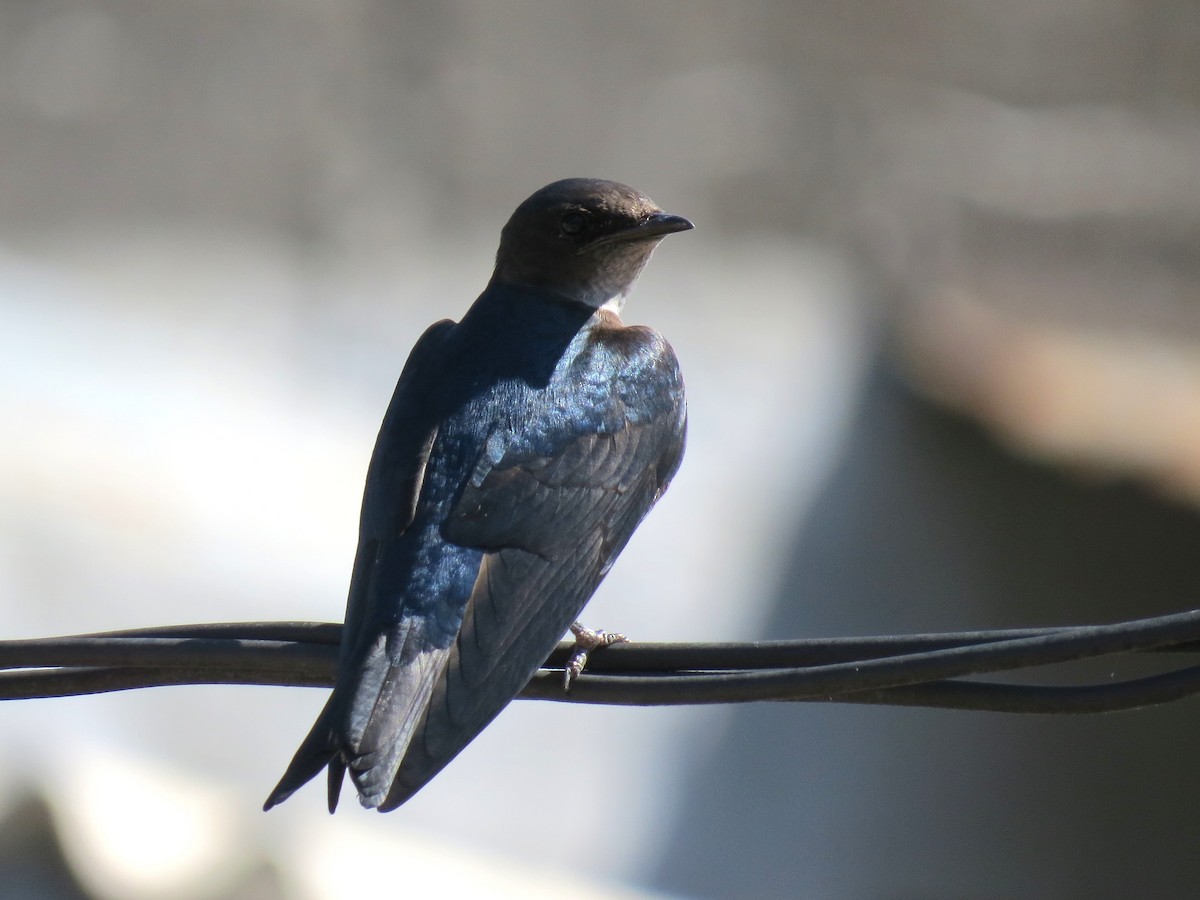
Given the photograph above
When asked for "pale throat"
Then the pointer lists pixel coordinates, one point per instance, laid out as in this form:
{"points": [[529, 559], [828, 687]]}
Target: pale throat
{"points": [[614, 303], [614, 278], [606, 293]]}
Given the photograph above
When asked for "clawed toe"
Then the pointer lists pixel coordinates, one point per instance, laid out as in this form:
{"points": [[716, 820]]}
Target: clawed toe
{"points": [[586, 640]]}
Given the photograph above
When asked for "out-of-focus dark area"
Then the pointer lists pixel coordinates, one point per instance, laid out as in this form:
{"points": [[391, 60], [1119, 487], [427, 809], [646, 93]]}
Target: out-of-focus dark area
{"points": [[940, 325]]}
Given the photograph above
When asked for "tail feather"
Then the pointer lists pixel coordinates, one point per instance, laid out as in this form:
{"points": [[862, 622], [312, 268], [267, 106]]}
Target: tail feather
{"points": [[317, 751], [390, 691], [337, 771]]}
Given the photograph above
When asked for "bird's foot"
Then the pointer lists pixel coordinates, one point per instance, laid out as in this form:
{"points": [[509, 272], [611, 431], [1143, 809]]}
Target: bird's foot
{"points": [[586, 640]]}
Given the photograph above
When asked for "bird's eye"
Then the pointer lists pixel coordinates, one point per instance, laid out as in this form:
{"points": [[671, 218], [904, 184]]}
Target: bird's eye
{"points": [[573, 223]]}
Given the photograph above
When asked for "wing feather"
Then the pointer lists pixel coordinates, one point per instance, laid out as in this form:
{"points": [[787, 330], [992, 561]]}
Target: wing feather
{"points": [[394, 481], [551, 523], [545, 507]]}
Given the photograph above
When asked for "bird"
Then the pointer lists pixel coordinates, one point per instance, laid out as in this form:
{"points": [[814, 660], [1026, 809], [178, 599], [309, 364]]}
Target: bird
{"points": [[522, 446]]}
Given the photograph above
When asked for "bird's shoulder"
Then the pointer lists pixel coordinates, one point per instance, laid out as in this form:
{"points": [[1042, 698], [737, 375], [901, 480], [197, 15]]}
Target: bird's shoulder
{"points": [[635, 345], [635, 364], [410, 408], [405, 437]]}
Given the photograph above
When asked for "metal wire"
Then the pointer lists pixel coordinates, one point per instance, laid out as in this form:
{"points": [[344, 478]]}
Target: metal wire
{"points": [[915, 670]]}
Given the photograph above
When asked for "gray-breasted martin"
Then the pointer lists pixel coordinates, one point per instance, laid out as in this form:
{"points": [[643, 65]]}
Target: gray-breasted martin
{"points": [[521, 448]]}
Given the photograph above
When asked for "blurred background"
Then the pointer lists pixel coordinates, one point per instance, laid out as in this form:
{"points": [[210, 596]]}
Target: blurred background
{"points": [[939, 323]]}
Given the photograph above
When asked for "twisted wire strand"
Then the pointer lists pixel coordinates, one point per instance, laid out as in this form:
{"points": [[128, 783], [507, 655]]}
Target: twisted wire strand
{"points": [[926, 670]]}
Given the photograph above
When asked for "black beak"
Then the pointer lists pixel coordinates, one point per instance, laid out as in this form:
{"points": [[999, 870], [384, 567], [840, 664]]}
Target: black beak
{"points": [[663, 223], [658, 225]]}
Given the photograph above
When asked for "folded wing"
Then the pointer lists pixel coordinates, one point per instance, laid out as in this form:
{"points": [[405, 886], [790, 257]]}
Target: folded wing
{"points": [[551, 523]]}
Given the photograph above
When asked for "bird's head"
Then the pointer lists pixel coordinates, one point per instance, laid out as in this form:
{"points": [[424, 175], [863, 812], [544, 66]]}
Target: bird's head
{"points": [[584, 238]]}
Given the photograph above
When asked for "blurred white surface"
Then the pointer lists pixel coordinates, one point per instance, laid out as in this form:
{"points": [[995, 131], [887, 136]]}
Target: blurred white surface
{"points": [[202, 460]]}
